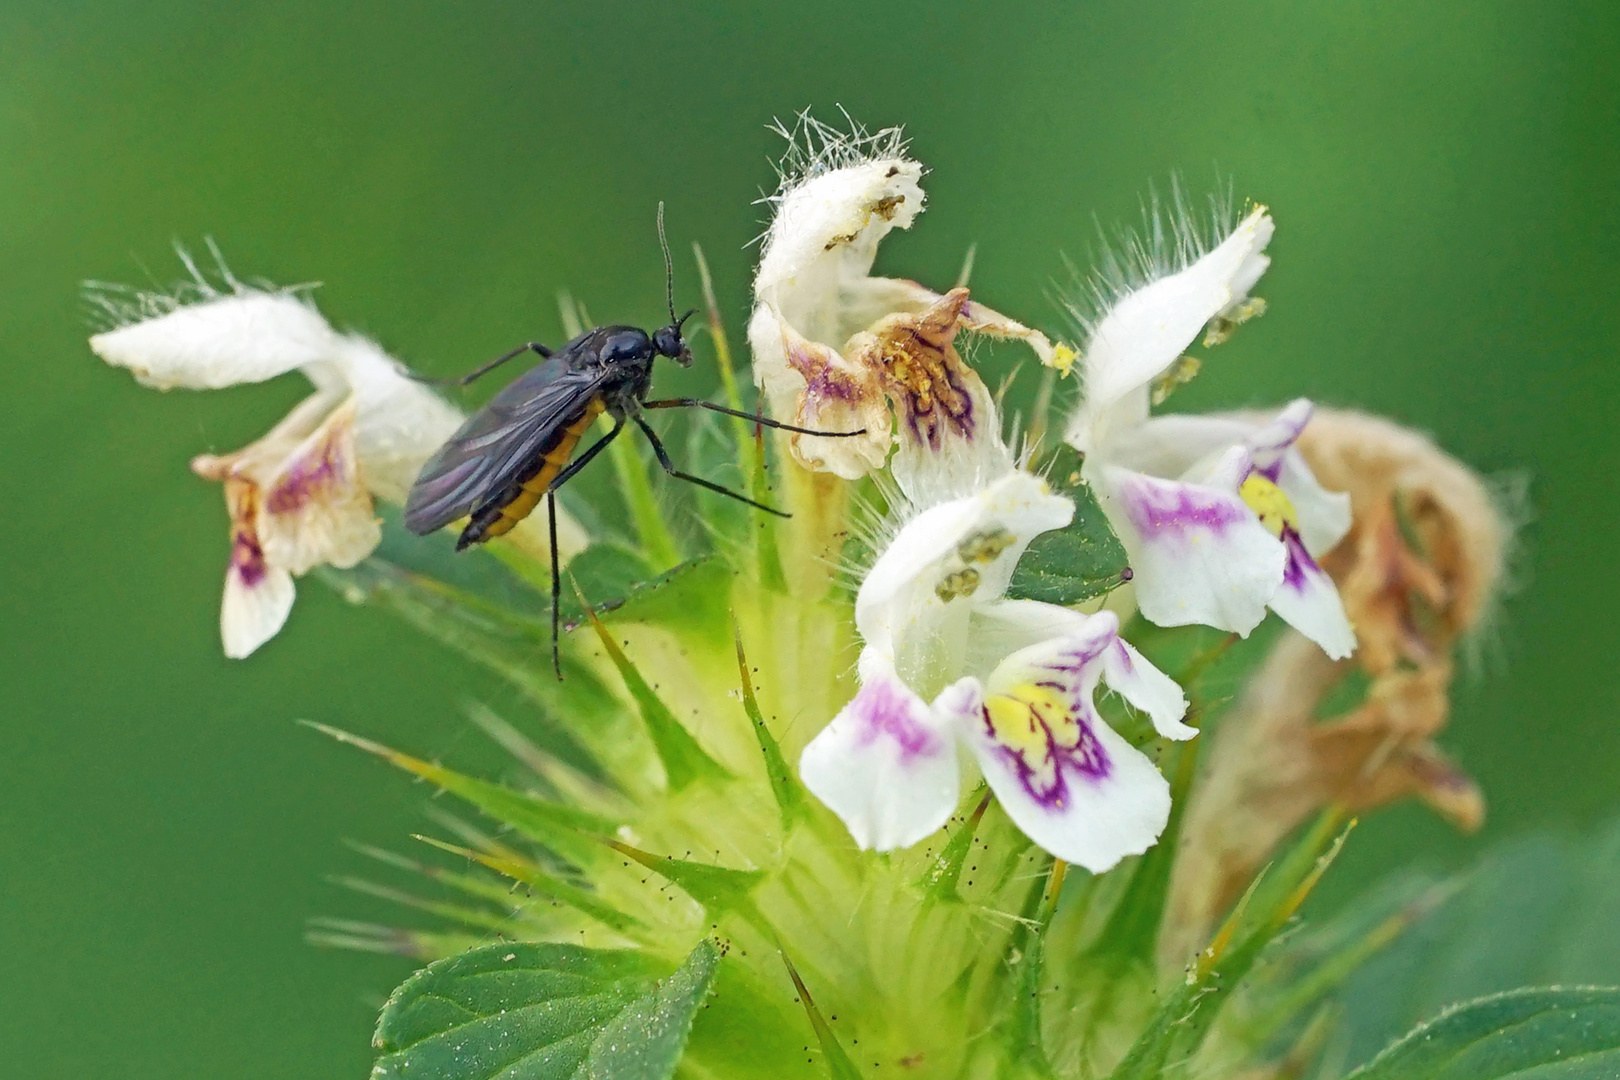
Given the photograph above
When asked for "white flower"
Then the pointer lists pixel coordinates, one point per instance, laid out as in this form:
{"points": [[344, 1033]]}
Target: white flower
{"points": [[827, 351], [949, 661], [301, 495], [1220, 516]]}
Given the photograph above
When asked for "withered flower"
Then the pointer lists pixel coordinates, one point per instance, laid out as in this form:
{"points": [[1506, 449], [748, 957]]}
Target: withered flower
{"points": [[1417, 572]]}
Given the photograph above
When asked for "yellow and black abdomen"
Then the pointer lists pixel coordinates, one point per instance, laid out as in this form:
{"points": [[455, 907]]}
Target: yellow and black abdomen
{"points": [[498, 517]]}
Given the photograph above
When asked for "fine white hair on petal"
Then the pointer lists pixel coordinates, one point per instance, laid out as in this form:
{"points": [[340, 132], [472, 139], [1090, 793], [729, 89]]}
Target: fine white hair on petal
{"points": [[244, 337], [1172, 236], [1146, 330], [814, 148], [206, 336], [839, 194]]}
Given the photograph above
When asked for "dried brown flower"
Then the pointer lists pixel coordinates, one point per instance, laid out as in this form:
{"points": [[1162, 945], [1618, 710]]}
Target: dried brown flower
{"points": [[1417, 572]]}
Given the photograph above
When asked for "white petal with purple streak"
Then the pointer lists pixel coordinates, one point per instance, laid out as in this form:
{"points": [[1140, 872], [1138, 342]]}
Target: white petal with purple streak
{"points": [[886, 765], [1199, 553], [1308, 601], [1064, 777]]}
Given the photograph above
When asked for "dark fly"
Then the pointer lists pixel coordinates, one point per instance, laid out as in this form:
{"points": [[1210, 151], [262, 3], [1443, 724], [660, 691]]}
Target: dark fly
{"points": [[520, 447]]}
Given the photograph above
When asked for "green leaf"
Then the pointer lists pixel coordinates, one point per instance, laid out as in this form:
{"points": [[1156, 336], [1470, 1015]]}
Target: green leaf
{"points": [[1184, 1017], [1021, 1027], [683, 758], [564, 829], [605, 574], [832, 1051], [542, 1012], [939, 881], [693, 596], [717, 888], [747, 1030], [1537, 910], [1075, 563], [545, 884], [789, 796], [1547, 1034]]}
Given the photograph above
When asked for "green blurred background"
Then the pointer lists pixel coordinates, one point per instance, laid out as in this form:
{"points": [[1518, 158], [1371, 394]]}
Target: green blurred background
{"points": [[1444, 180]]}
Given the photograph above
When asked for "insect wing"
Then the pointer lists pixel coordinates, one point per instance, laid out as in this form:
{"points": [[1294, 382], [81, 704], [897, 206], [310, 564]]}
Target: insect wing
{"points": [[499, 443]]}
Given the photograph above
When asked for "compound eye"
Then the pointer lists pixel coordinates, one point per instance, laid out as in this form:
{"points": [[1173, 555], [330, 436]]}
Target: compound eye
{"points": [[667, 341]]}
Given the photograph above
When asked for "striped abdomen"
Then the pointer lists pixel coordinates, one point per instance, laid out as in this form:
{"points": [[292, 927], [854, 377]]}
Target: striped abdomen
{"points": [[496, 518]]}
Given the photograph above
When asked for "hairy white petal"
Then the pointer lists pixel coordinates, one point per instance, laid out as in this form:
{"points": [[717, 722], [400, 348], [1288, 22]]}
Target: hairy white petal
{"points": [[916, 601], [824, 236], [1148, 329], [885, 765], [246, 337]]}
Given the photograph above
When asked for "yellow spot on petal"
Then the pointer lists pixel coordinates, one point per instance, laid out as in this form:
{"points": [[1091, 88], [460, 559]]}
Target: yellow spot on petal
{"points": [[1270, 503], [1032, 721]]}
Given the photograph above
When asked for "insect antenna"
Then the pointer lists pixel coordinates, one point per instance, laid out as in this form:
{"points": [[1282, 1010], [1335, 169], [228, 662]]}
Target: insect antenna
{"points": [[669, 269]]}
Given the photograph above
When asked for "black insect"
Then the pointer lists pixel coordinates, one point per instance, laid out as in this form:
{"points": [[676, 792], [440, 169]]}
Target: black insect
{"points": [[520, 446]]}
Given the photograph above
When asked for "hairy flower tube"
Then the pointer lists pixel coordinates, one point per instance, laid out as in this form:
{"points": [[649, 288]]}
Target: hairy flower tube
{"points": [[302, 495], [1221, 517]]}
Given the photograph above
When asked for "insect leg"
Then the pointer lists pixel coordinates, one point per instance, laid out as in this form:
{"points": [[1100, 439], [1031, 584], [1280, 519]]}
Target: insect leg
{"points": [[580, 462], [669, 467], [699, 403], [464, 380], [556, 582]]}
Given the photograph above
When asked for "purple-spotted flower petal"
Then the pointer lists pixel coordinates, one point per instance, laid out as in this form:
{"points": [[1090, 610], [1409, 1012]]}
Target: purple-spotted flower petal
{"points": [[834, 347], [1067, 779], [932, 614], [886, 765], [303, 494], [1198, 552], [1220, 515]]}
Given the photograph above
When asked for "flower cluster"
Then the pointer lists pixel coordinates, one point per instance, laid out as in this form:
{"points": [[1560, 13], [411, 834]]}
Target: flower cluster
{"points": [[992, 704], [1221, 518]]}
